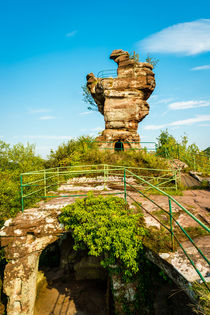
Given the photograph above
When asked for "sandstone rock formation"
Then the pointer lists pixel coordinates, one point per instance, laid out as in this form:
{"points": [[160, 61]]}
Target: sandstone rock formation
{"points": [[122, 100]]}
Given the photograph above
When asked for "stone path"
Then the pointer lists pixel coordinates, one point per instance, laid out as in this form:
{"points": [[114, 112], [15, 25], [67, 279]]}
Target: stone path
{"points": [[188, 181], [198, 203]]}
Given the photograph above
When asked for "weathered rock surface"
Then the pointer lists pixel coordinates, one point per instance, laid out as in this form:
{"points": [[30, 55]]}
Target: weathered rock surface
{"points": [[122, 100], [24, 238]]}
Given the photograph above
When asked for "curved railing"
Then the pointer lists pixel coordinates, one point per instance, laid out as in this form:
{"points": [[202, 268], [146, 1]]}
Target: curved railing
{"points": [[39, 184], [172, 218], [111, 73]]}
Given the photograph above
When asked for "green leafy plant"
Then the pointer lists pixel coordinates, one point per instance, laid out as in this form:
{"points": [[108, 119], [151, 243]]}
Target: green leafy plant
{"points": [[203, 296], [108, 228]]}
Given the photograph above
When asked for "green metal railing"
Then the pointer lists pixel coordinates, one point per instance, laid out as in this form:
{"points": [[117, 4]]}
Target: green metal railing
{"points": [[173, 220], [196, 161], [111, 73], [123, 181], [37, 184]]}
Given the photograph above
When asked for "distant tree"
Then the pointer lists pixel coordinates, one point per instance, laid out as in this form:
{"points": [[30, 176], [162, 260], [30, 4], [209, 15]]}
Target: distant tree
{"points": [[207, 151], [166, 143], [88, 99], [14, 161]]}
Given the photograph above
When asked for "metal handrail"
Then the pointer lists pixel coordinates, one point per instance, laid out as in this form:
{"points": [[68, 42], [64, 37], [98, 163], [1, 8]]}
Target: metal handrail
{"points": [[172, 219], [111, 73], [126, 173], [192, 158]]}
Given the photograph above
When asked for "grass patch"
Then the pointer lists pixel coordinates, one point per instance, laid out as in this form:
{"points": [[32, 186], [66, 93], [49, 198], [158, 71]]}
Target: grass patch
{"points": [[195, 231], [203, 296], [158, 240]]}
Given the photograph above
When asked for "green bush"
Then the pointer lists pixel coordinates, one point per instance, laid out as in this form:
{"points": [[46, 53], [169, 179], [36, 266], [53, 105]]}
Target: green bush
{"points": [[169, 147], [85, 150], [13, 161], [108, 228]]}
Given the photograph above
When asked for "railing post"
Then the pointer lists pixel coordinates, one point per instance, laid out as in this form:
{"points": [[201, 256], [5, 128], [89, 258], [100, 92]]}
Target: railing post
{"points": [[175, 176], [194, 166], [171, 223], [21, 191], [45, 190], [104, 175], [58, 176], [125, 194]]}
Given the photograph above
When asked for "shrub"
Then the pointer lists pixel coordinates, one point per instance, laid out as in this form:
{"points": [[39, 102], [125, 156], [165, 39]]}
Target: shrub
{"points": [[107, 227], [85, 150]]}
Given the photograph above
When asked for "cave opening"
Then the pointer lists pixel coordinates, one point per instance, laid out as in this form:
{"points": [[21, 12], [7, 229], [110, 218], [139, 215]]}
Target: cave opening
{"points": [[71, 282], [119, 146]]}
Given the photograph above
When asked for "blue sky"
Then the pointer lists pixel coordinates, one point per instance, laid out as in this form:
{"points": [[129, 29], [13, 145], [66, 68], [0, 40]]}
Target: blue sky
{"points": [[48, 47]]}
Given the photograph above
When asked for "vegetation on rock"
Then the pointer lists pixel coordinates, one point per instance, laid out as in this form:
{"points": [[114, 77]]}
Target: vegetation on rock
{"points": [[108, 228], [203, 296], [84, 150], [169, 147], [152, 60]]}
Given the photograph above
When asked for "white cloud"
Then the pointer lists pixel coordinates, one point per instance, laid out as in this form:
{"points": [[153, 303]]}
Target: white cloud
{"points": [[191, 121], [188, 104], [204, 67], [154, 127], [86, 113], [97, 129], [164, 101], [188, 38], [71, 34], [47, 117], [184, 122], [39, 110]]}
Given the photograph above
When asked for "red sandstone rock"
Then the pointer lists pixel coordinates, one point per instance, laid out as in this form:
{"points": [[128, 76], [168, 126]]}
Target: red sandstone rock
{"points": [[122, 100]]}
